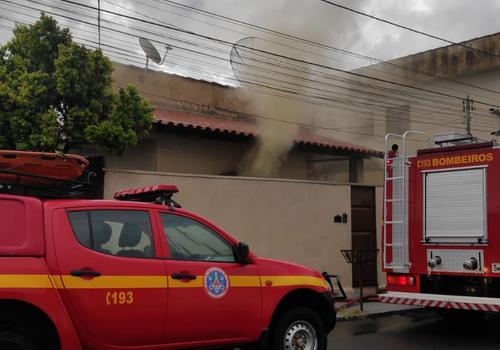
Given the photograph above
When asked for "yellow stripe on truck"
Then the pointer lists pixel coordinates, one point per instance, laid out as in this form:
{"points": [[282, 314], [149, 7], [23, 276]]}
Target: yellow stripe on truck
{"points": [[25, 281], [57, 281], [288, 281], [234, 281], [244, 281], [131, 282]]}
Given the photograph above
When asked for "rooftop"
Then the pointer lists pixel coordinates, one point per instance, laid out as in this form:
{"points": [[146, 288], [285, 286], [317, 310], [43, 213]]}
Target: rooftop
{"points": [[249, 128]]}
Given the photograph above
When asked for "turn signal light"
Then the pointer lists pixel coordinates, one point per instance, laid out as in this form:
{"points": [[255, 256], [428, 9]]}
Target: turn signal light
{"points": [[401, 280]]}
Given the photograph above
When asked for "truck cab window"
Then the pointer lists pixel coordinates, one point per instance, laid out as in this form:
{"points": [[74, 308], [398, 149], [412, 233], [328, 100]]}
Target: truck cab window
{"points": [[190, 240], [124, 233]]}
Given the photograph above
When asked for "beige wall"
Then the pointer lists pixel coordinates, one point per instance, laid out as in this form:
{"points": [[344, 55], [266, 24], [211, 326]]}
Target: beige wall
{"points": [[195, 155], [141, 157], [282, 219]]}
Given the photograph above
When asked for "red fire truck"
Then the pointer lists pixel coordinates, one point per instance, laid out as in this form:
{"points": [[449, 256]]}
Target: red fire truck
{"points": [[138, 272], [441, 245]]}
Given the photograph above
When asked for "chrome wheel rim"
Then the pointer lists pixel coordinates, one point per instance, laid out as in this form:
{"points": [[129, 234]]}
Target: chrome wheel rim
{"points": [[301, 335]]}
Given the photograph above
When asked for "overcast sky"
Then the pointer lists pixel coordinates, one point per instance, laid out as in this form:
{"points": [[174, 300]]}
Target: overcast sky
{"points": [[456, 20]]}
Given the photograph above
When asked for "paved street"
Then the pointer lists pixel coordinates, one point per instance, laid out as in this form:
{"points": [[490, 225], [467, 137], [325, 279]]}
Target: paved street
{"points": [[420, 330]]}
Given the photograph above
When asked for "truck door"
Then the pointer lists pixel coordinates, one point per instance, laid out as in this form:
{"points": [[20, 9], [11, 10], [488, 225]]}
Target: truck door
{"points": [[210, 297], [115, 288]]}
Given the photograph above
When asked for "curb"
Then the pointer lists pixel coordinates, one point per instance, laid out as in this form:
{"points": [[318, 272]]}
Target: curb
{"points": [[377, 314]]}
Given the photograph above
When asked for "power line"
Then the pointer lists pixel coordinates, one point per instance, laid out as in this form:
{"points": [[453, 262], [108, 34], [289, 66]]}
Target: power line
{"points": [[347, 101], [193, 51], [248, 115], [408, 28], [320, 45], [275, 119], [342, 130], [210, 14], [74, 19], [353, 82], [275, 54], [281, 44]]}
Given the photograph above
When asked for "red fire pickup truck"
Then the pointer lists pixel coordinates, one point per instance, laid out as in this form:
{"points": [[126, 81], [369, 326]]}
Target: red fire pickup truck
{"points": [[138, 272]]}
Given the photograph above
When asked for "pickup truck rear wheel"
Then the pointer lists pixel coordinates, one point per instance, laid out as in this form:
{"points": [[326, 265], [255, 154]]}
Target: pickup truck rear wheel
{"points": [[12, 340], [299, 329]]}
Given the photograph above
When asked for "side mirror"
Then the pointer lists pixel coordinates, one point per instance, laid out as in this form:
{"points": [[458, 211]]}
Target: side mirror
{"points": [[241, 252]]}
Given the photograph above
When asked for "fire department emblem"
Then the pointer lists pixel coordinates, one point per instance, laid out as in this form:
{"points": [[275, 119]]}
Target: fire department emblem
{"points": [[216, 282]]}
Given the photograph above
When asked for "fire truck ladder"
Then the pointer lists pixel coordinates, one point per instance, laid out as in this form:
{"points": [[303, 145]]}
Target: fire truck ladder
{"points": [[396, 205]]}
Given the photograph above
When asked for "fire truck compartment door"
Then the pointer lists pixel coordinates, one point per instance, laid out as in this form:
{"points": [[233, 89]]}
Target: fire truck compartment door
{"points": [[455, 206]]}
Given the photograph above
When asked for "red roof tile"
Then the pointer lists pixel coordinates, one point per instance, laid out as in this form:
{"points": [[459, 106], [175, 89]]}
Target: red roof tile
{"points": [[248, 128]]}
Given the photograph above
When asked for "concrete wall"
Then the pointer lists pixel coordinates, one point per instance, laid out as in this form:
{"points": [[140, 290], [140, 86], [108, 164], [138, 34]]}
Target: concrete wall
{"points": [[282, 219], [141, 157]]}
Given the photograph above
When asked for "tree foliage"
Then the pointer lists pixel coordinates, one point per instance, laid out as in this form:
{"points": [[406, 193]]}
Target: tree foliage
{"points": [[56, 94]]}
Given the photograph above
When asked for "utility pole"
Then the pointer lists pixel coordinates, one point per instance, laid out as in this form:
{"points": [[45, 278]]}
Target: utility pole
{"points": [[468, 106], [99, 22]]}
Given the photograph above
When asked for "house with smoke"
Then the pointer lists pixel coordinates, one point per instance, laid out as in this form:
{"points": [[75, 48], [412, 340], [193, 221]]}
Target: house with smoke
{"points": [[273, 181], [211, 129]]}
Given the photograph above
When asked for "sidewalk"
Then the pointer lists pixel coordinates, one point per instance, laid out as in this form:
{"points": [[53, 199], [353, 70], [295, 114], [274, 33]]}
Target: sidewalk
{"points": [[371, 309]]}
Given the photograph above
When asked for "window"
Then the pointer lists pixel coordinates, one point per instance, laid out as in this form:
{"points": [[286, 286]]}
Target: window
{"points": [[190, 240], [455, 205], [116, 232]]}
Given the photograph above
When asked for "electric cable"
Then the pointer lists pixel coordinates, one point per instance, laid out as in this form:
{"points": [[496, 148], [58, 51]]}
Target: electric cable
{"points": [[409, 29]]}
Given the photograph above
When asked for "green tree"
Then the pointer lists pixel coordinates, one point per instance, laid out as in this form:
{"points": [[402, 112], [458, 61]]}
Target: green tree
{"points": [[56, 94]]}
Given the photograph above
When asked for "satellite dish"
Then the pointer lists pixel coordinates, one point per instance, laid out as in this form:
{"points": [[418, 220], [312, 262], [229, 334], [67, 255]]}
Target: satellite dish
{"points": [[241, 57], [252, 57], [150, 51]]}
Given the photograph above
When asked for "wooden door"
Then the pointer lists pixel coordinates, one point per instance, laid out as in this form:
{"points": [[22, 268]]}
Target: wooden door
{"points": [[364, 233]]}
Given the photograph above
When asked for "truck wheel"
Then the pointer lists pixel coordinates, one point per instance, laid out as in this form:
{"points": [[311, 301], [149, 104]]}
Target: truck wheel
{"points": [[10, 340], [299, 329]]}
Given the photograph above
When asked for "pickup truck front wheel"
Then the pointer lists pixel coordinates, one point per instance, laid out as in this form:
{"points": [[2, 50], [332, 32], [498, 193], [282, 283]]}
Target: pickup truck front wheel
{"points": [[299, 329]]}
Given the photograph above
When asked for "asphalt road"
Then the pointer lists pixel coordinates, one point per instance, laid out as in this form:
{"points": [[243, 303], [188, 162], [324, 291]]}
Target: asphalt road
{"points": [[420, 330]]}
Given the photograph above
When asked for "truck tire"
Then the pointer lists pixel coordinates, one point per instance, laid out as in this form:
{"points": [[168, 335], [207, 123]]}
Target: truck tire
{"points": [[12, 340], [299, 328]]}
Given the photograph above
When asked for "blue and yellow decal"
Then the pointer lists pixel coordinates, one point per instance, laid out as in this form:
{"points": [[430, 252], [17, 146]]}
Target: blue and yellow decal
{"points": [[216, 282]]}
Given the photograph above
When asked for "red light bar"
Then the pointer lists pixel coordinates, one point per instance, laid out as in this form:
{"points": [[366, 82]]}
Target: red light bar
{"points": [[401, 280], [146, 194]]}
